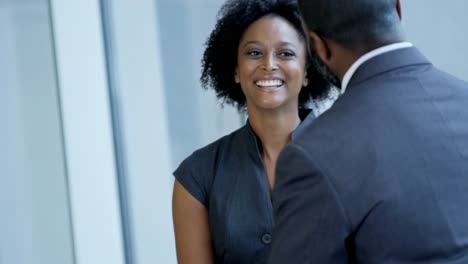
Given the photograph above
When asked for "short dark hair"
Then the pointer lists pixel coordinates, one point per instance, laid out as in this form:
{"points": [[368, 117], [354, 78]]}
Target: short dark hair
{"points": [[353, 23], [220, 56]]}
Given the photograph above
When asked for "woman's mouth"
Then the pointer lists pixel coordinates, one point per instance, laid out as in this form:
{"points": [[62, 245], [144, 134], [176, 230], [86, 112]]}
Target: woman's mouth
{"points": [[269, 83]]}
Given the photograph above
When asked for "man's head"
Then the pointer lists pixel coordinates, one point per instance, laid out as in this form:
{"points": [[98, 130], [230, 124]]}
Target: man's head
{"points": [[343, 30]]}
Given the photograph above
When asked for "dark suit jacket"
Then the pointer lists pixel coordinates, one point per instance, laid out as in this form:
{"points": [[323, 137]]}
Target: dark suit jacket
{"points": [[381, 177]]}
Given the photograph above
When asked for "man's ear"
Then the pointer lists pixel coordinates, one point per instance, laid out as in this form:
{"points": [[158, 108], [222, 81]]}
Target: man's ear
{"points": [[321, 47], [398, 8]]}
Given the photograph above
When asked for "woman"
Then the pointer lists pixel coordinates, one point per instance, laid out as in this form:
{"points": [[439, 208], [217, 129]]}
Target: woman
{"points": [[256, 57]]}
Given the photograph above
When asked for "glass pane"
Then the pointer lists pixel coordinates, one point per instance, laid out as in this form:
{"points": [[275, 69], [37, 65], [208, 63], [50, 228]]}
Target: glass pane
{"points": [[139, 114], [35, 224]]}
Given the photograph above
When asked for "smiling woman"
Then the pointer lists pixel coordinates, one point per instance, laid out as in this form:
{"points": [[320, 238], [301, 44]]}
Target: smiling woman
{"points": [[256, 60], [271, 64]]}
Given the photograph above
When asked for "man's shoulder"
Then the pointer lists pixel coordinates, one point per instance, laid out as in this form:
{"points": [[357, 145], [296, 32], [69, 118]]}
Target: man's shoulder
{"points": [[324, 136]]}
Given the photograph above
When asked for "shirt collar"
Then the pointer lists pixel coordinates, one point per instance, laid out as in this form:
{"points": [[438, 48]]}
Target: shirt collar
{"points": [[374, 53]]}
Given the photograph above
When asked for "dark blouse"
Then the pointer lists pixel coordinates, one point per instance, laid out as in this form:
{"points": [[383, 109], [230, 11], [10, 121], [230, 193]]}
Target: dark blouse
{"points": [[229, 179]]}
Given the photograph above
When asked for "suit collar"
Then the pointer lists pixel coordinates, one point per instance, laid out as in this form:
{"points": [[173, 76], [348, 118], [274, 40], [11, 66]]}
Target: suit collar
{"points": [[369, 55], [307, 116], [387, 62]]}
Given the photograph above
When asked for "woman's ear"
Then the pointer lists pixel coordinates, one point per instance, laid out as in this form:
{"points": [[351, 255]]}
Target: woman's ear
{"points": [[236, 75], [306, 80], [321, 47]]}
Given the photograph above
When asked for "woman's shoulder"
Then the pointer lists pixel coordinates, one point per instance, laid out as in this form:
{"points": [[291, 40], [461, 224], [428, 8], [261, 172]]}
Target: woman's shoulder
{"points": [[212, 151], [196, 172]]}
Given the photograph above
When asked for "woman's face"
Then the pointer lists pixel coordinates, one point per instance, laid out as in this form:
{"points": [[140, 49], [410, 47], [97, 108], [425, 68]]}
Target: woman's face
{"points": [[271, 64]]}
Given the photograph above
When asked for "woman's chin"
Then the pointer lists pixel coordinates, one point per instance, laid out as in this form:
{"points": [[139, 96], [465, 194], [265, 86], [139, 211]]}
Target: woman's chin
{"points": [[270, 104]]}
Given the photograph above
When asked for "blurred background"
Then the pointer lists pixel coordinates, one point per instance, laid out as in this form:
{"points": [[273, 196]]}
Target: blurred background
{"points": [[99, 103]]}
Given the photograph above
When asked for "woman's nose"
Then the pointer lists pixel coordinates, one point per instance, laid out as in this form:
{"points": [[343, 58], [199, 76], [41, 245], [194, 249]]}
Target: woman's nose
{"points": [[269, 63]]}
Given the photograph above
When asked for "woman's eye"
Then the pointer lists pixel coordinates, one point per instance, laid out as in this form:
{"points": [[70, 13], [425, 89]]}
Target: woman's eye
{"points": [[287, 54], [253, 53]]}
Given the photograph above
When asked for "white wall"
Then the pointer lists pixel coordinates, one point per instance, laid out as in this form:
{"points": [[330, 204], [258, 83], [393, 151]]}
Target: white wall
{"points": [[35, 222], [438, 29], [195, 115]]}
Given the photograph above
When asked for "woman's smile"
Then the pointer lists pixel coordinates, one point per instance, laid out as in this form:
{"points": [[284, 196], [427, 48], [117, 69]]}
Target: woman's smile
{"points": [[269, 85]]}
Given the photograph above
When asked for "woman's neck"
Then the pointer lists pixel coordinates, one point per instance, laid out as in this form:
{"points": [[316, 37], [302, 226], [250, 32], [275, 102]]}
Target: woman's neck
{"points": [[274, 128]]}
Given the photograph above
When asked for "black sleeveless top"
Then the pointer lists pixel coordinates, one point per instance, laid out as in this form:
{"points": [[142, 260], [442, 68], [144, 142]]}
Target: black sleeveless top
{"points": [[229, 179]]}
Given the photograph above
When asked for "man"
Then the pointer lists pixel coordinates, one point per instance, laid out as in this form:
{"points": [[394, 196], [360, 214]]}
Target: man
{"points": [[381, 177]]}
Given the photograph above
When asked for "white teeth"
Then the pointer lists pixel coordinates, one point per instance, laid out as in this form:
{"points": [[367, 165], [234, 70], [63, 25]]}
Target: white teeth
{"points": [[269, 83]]}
